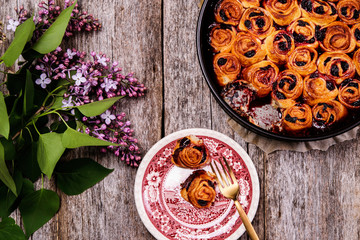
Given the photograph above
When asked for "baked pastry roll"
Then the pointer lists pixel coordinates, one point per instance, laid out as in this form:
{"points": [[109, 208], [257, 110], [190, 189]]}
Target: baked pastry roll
{"points": [[222, 39], [303, 32], [199, 189], [320, 12], [248, 49], [356, 61], [318, 89], [336, 65], [257, 21], [279, 45], [228, 12], [349, 94], [261, 77], [348, 11], [250, 3], [328, 113], [297, 118], [190, 152], [287, 89], [336, 37], [303, 60], [283, 11], [238, 96], [355, 31], [227, 67]]}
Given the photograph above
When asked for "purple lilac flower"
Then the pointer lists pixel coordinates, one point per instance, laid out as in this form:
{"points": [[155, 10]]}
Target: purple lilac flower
{"points": [[43, 80], [12, 24]]}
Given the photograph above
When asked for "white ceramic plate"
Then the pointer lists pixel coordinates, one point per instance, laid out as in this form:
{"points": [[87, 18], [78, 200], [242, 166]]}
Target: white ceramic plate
{"points": [[168, 216]]}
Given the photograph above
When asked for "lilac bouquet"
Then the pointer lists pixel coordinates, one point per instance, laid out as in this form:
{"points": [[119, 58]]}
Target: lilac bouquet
{"points": [[59, 99]]}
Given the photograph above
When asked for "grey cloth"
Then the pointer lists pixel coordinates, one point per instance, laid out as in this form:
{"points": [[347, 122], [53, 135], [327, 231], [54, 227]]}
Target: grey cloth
{"points": [[270, 145]]}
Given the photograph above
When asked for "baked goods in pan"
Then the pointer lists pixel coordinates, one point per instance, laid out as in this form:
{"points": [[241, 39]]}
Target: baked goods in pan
{"points": [[222, 39], [298, 59], [228, 12], [190, 152], [199, 189]]}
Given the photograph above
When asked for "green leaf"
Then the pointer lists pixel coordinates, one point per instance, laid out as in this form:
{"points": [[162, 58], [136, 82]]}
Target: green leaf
{"points": [[52, 38], [4, 172], [75, 139], [49, 151], [38, 208], [75, 176], [9, 230], [9, 148], [29, 93], [4, 118], [98, 107], [7, 199], [22, 35], [27, 163]]}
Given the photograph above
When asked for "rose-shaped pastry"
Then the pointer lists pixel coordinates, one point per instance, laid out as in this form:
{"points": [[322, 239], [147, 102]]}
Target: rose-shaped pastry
{"points": [[320, 12], [303, 32], [355, 31], [287, 89], [336, 37], [297, 118], [222, 39], [227, 67], [199, 189], [261, 77], [250, 3], [349, 11], [238, 96], [318, 89], [283, 11], [328, 113], [303, 60], [257, 21], [190, 152], [228, 12], [349, 93], [248, 49], [336, 65], [356, 61], [279, 46]]}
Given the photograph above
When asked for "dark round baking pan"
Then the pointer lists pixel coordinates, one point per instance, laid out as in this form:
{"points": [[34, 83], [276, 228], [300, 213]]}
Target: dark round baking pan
{"points": [[205, 56]]}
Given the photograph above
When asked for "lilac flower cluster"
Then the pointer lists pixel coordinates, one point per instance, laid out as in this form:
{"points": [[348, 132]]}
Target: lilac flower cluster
{"points": [[49, 11], [91, 81]]}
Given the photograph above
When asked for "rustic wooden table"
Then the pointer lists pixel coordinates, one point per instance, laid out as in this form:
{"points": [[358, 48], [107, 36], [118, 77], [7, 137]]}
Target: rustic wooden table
{"points": [[313, 195]]}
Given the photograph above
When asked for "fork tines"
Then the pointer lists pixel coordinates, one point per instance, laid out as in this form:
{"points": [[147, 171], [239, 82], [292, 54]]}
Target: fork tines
{"points": [[226, 175]]}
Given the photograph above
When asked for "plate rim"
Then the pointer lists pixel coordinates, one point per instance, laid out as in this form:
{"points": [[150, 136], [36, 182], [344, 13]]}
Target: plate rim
{"points": [[202, 132]]}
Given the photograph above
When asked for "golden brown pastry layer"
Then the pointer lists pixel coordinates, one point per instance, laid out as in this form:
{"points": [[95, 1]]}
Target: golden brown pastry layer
{"points": [[303, 32], [199, 189], [328, 113], [348, 11], [283, 11], [355, 31], [319, 12], [190, 152], [248, 49], [356, 61], [318, 89], [336, 65], [297, 118], [287, 89], [227, 67], [261, 77], [257, 21], [250, 3], [222, 39], [303, 60], [279, 46], [349, 94], [228, 12]]}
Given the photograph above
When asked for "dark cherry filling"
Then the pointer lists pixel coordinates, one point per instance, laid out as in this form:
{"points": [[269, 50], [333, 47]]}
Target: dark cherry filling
{"points": [[319, 10], [184, 142], [211, 184], [292, 86], [330, 85], [282, 1], [283, 46], [265, 68], [327, 60], [223, 15], [334, 70], [320, 33], [350, 91], [247, 24], [343, 11], [290, 119], [280, 95], [307, 5], [299, 37], [302, 23], [260, 22], [312, 40], [333, 10], [356, 14], [353, 84], [344, 66], [221, 61], [331, 119], [302, 120], [318, 115], [255, 14], [300, 64], [292, 77], [356, 103], [202, 202], [250, 53], [357, 34]]}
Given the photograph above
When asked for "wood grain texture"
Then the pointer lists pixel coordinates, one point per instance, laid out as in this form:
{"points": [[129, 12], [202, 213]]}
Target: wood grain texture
{"points": [[313, 195]]}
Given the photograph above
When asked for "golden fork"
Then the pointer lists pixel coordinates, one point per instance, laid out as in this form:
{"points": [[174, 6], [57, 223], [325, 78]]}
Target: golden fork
{"points": [[230, 189]]}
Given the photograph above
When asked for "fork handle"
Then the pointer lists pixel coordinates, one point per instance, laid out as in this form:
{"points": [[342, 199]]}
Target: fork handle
{"points": [[244, 218]]}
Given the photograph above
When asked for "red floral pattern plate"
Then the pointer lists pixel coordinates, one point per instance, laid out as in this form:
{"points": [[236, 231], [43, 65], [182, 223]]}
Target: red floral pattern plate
{"points": [[168, 216]]}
